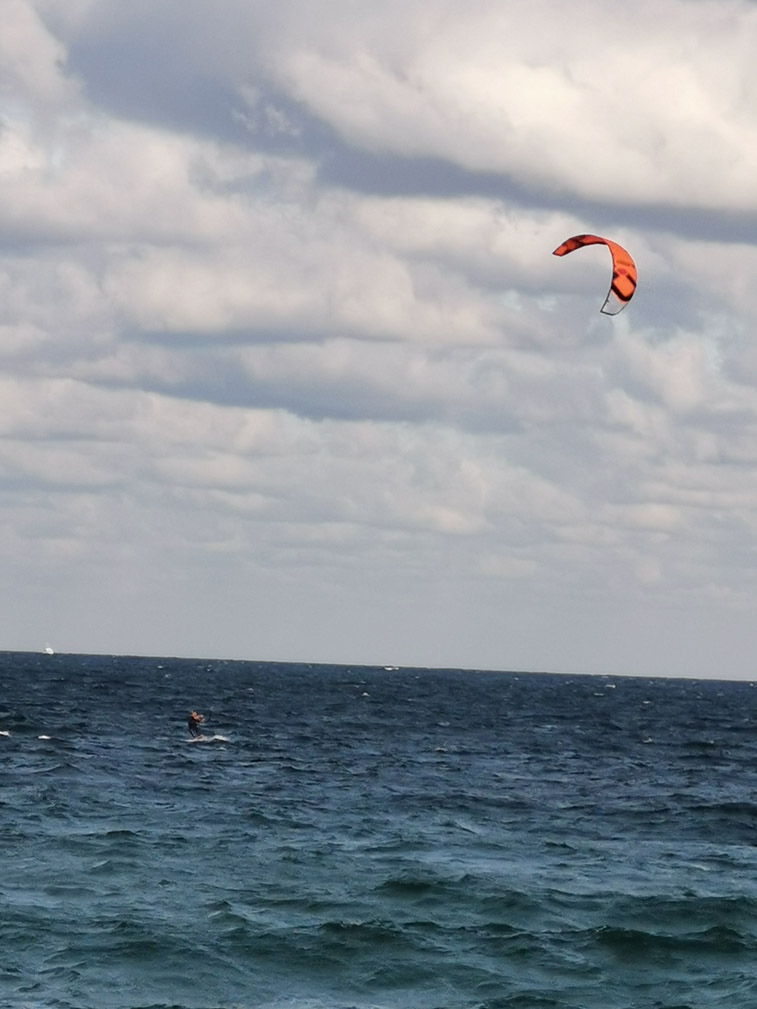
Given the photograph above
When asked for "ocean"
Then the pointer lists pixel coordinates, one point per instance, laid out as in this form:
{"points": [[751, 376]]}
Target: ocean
{"points": [[371, 838]]}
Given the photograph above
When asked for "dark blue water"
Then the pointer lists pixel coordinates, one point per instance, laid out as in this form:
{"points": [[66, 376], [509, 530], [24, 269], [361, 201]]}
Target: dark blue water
{"points": [[371, 838]]}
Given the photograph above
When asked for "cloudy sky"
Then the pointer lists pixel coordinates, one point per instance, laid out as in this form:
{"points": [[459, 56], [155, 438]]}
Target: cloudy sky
{"points": [[287, 368]]}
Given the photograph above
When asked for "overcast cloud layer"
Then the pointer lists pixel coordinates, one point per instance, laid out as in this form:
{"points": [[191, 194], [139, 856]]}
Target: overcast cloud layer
{"points": [[287, 368]]}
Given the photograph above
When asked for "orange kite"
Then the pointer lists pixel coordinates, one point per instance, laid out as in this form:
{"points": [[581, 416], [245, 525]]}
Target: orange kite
{"points": [[623, 270]]}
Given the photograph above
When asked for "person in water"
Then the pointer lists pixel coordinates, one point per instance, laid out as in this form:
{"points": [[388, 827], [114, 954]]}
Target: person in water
{"points": [[193, 723]]}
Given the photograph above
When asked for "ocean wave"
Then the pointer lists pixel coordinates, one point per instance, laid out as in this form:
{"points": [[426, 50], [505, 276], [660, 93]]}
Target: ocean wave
{"points": [[546, 860]]}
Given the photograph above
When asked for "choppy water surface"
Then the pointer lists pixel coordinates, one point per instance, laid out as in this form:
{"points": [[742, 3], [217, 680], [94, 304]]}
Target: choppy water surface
{"points": [[413, 839]]}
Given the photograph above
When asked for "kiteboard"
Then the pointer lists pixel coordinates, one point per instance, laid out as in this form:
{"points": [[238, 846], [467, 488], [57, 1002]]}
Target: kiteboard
{"points": [[208, 739]]}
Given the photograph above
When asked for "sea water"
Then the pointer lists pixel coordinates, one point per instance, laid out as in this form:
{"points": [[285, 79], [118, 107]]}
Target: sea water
{"points": [[408, 839]]}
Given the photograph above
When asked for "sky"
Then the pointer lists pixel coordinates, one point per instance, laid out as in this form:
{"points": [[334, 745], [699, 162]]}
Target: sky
{"points": [[288, 370]]}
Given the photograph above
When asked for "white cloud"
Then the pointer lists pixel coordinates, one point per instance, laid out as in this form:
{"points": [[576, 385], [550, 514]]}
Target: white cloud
{"points": [[33, 61], [224, 377], [551, 100]]}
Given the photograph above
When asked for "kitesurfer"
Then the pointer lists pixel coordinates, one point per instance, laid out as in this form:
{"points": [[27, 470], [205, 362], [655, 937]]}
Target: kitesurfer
{"points": [[193, 723]]}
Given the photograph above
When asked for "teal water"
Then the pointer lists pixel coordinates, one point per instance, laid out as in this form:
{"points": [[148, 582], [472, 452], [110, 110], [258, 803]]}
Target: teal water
{"points": [[423, 839]]}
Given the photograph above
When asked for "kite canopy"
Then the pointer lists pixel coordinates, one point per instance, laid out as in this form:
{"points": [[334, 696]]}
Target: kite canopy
{"points": [[623, 270]]}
